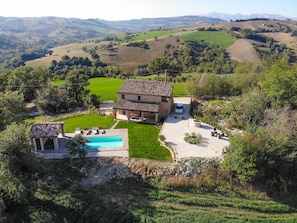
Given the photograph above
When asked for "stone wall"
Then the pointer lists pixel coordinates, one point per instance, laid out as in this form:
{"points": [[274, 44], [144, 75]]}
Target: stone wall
{"points": [[116, 169]]}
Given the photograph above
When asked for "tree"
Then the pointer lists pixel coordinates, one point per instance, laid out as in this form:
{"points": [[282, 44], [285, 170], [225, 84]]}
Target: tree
{"points": [[18, 166], [76, 82], [77, 146], [157, 65], [243, 157], [91, 100], [52, 100], [279, 135], [27, 82], [248, 109], [12, 107], [268, 154], [280, 83]]}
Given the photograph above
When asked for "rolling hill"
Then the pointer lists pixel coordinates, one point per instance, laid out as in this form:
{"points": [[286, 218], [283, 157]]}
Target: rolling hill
{"points": [[129, 58], [69, 36], [33, 36]]}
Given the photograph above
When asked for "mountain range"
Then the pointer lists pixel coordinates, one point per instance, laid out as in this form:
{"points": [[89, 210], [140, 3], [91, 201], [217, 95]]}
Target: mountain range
{"points": [[238, 16]]}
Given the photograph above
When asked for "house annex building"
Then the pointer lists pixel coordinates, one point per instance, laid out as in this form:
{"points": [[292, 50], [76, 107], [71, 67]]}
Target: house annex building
{"points": [[149, 101], [45, 135]]}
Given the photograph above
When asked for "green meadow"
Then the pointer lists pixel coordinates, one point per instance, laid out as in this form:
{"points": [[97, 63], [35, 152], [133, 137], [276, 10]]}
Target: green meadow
{"points": [[219, 38], [107, 88], [149, 35]]}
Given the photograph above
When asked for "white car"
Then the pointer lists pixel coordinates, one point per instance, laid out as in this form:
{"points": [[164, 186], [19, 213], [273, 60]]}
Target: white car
{"points": [[179, 109]]}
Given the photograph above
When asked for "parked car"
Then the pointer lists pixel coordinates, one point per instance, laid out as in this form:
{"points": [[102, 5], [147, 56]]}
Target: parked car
{"points": [[179, 108]]}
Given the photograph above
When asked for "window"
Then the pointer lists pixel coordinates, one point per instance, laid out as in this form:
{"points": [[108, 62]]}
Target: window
{"points": [[123, 96], [164, 99], [139, 98]]}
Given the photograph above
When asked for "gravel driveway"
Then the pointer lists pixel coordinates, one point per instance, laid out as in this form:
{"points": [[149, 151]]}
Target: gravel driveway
{"points": [[175, 127]]}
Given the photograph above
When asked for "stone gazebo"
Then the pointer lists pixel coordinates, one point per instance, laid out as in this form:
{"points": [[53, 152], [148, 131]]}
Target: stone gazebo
{"points": [[45, 135]]}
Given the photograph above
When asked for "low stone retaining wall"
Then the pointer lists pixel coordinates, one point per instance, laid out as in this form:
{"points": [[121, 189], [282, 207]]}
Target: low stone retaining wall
{"points": [[116, 169]]}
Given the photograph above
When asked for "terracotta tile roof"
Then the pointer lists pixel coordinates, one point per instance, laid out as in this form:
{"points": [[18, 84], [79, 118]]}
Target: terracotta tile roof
{"points": [[136, 106], [45, 129], [144, 87]]}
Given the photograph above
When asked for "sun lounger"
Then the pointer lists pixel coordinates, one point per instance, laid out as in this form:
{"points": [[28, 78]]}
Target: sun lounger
{"points": [[77, 131], [95, 130]]}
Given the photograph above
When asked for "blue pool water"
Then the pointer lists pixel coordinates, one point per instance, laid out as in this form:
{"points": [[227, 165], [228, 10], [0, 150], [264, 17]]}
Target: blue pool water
{"points": [[105, 142]]}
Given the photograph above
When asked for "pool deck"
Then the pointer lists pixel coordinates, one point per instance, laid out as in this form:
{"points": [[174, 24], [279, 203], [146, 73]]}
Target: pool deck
{"points": [[62, 152]]}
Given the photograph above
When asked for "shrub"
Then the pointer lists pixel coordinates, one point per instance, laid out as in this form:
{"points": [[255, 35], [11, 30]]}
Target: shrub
{"points": [[193, 138], [162, 138]]}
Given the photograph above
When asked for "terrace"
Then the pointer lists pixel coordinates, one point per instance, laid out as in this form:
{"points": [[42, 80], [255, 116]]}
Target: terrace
{"points": [[62, 153]]}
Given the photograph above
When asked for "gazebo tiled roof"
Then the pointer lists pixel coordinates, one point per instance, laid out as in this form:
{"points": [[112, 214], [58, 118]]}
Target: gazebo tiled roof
{"points": [[144, 87], [45, 129]]}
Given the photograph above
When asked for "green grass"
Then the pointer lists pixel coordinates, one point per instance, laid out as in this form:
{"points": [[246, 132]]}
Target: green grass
{"points": [[86, 121], [106, 88], [136, 200], [143, 141], [208, 207], [219, 38], [180, 90], [149, 35]]}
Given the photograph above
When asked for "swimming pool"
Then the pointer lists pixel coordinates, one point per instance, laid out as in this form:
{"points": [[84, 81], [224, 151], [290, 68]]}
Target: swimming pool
{"points": [[105, 142]]}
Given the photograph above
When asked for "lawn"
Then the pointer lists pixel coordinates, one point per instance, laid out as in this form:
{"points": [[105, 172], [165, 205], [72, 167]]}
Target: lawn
{"points": [[86, 121], [143, 141], [219, 38]]}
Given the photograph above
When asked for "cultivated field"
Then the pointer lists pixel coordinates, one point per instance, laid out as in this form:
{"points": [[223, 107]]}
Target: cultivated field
{"points": [[242, 50], [150, 35], [74, 49], [218, 38], [130, 58]]}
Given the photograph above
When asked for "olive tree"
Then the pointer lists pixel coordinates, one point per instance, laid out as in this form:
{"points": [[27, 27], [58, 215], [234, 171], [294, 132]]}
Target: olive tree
{"points": [[77, 146]]}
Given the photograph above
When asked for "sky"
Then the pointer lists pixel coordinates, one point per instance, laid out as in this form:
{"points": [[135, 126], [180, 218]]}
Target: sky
{"points": [[136, 9]]}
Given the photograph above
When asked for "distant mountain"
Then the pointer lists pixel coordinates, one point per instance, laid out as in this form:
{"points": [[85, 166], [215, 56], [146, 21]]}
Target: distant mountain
{"points": [[228, 17], [55, 29], [65, 30], [146, 24]]}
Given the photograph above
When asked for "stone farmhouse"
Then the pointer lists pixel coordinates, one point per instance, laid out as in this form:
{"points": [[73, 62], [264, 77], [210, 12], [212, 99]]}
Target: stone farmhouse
{"points": [[145, 101]]}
